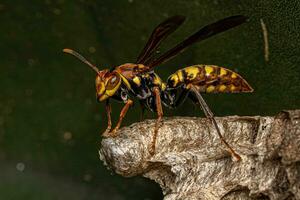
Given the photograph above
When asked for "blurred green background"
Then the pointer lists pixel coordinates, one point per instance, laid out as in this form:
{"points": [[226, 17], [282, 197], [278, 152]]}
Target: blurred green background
{"points": [[50, 122]]}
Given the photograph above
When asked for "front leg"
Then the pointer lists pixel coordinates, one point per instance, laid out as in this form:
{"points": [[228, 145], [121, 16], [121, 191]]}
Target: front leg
{"points": [[124, 110], [108, 112], [158, 121]]}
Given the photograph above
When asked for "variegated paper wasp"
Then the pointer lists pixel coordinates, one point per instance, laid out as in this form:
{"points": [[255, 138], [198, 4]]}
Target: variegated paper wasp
{"points": [[139, 80]]}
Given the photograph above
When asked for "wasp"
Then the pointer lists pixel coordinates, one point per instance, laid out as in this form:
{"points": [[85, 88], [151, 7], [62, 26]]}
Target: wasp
{"points": [[138, 80]]}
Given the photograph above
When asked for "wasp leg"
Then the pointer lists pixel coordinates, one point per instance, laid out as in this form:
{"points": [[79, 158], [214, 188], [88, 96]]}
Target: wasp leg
{"points": [[181, 98], [108, 112], [210, 116], [142, 111], [158, 121], [124, 110]]}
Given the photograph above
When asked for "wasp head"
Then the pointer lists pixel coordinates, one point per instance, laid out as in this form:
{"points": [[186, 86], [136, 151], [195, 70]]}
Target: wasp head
{"points": [[107, 81], [107, 84]]}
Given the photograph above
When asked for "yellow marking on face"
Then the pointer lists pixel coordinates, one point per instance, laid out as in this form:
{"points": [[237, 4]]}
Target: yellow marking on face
{"points": [[103, 97], [192, 72], [222, 88], [208, 69], [100, 87], [223, 72], [233, 75], [137, 80], [113, 90], [210, 88]]}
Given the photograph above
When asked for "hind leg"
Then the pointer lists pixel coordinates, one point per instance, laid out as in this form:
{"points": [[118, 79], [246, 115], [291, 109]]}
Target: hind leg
{"points": [[158, 121], [210, 116]]}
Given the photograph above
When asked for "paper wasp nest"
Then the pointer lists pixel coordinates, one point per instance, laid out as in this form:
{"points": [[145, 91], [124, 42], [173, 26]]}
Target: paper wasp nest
{"points": [[192, 163]]}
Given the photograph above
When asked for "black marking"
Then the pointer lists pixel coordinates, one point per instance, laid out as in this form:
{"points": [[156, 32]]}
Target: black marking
{"points": [[184, 74], [218, 71]]}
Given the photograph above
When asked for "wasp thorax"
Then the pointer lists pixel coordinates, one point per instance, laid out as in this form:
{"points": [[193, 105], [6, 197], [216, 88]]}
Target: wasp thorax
{"points": [[107, 84]]}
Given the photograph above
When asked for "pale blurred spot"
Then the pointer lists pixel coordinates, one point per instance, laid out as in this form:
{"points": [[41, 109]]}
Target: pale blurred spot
{"points": [[119, 24], [143, 38], [215, 2], [20, 166], [38, 15], [97, 117], [31, 62], [56, 11], [87, 177], [69, 95], [165, 14], [93, 60], [92, 49], [44, 136], [48, 2], [28, 92], [67, 135], [2, 7], [2, 155], [60, 34], [1, 120], [8, 110], [12, 101], [130, 1], [238, 55], [88, 101]]}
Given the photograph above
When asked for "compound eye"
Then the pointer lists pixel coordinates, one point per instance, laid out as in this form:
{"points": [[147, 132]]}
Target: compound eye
{"points": [[113, 82]]}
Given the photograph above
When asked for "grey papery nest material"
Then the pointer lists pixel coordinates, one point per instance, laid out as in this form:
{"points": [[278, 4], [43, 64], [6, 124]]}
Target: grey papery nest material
{"points": [[191, 162]]}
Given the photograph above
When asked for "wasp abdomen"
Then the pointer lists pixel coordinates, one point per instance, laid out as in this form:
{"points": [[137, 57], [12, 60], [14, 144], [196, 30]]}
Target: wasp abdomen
{"points": [[209, 79]]}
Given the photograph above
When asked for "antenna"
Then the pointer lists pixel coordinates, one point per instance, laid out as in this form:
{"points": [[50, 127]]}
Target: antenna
{"points": [[80, 57]]}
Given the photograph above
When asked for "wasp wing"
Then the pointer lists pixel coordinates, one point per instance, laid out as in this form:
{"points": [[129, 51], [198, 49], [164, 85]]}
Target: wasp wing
{"points": [[204, 33], [158, 35]]}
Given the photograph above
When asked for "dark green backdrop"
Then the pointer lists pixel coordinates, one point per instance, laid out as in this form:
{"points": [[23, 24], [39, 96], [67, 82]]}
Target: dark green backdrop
{"points": [[49, 119]]}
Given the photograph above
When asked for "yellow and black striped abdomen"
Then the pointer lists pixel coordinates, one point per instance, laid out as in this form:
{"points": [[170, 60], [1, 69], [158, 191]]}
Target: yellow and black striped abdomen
{"points": [[209, 79]]}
